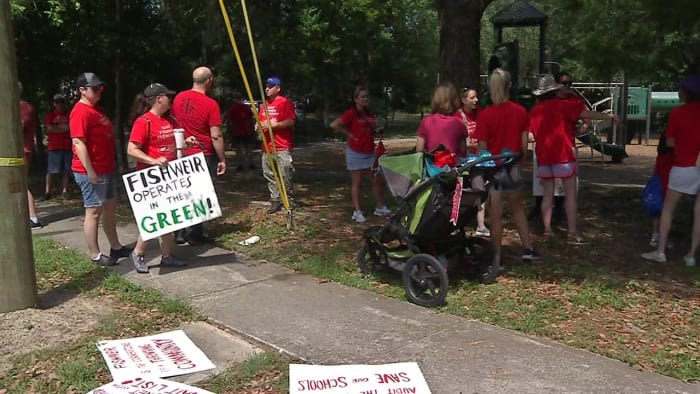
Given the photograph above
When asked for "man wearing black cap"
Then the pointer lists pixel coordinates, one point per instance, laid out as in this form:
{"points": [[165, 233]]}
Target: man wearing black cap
{"points": [[281, 123]]}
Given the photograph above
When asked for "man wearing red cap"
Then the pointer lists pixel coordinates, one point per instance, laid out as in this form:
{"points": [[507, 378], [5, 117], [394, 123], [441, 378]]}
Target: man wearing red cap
{"points": [[281, 123]]}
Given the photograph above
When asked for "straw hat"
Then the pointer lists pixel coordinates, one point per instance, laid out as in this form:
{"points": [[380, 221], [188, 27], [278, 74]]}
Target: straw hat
{"points": [[546, 84]]}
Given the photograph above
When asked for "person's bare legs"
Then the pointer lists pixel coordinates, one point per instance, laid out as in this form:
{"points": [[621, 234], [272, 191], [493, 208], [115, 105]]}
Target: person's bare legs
{"points": [[496, 216], [64, 183], [49, 178], [547, 201], [140, 247], [109, 223], [377, 189], [90, 225], [670, 202], [356, 180], [515, 199], [481, 217], [695, 240], [167, 242], [570, 203]]}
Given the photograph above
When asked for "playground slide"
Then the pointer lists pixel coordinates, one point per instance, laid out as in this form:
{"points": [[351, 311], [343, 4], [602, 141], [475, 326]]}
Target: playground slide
{"points": [[616, 152]]}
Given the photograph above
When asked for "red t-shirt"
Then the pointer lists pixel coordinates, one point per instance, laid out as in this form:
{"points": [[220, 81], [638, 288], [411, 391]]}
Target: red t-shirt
{"points": [[159, 142], [94, 126], [469, 122], [280, 108], [442, 129], [239, 120], [362, 127], [28, 118], [552, 122], [501, 127], [684, 127], [197, 113], [57, 140]]}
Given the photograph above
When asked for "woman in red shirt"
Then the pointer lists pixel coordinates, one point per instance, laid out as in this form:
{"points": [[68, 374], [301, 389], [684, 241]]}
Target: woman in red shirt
{"points": [[552, 122], [503, 126], [359, 124], [94, 168], [683, 134], [468, 114], [152, 143]]}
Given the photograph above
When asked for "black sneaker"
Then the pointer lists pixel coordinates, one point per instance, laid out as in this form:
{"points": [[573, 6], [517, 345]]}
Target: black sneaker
{"points": [[194, 240], [171, 261], [33, 224], [531, 255], [180, 237], [47, 196], [275, 206], [102, 261], [116, 254]]}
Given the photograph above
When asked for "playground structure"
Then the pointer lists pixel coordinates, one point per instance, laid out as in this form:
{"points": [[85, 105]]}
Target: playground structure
{"points": [[631, 104]]}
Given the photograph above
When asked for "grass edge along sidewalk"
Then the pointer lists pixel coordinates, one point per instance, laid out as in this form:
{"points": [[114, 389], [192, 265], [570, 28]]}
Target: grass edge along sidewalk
{"points": [[77, 367]]}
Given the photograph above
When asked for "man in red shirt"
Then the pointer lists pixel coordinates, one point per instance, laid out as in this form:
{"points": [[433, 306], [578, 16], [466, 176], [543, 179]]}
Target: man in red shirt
{"points": [[200, 116], [29, 124], [280, 130], [59, 145], [239, 123]]}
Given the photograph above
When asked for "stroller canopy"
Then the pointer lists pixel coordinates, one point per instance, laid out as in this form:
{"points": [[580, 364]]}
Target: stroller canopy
{"points": [[402, 172]]}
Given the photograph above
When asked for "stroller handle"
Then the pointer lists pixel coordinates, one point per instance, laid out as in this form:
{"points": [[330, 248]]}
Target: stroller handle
{"points": [[504, 158]]}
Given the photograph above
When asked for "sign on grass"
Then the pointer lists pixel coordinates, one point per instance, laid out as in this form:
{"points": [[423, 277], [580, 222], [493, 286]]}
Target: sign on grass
{"points": [[399, 378], [162, 355], [172, 197], [147, 385]]}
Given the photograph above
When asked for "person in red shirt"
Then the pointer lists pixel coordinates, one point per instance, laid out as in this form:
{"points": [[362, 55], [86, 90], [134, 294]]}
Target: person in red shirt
{"points": [[552, 122], [29, 126], [503, 126], [279, 134], [441, 127], [152, 143], [59, 145], [359, 124], [239, 123], [683, 134], [200, 116], [94, 168], [468, 113]]}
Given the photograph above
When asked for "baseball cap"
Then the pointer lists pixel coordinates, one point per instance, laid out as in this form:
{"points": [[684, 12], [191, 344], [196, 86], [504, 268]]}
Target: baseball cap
{"points": [[157, 89], [88, 80], [275, 81], [58, 97], [691, 84]]}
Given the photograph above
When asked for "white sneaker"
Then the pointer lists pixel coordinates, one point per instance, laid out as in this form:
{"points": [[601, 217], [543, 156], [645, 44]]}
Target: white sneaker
{"points": [[654, 241], [483, 232], [655, 256], [358, 217], [382, 211], [689, 261]]}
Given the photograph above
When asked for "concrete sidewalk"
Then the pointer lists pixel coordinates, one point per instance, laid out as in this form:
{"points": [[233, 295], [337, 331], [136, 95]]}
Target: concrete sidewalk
{"points": [[327, 323]]}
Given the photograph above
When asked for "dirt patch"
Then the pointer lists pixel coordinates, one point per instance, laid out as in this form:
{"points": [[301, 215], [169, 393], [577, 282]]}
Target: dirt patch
{"points": [[64, 318]]}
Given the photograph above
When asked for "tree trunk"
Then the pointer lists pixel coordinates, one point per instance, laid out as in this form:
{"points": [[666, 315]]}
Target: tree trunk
{"points": [[18, 288], [460, 33]]}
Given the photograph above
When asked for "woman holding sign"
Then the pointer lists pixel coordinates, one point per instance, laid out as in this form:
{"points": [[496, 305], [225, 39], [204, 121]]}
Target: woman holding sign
{"points": [[152, 143]]}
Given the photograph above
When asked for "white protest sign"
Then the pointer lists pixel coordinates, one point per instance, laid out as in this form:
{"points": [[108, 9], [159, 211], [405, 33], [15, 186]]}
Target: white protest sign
{"points": [[162, 355], [399, 378], [172, 197], [147, 385]]}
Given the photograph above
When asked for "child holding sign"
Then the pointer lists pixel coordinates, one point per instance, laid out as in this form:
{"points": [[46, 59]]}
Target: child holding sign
{"points": [[152, 143]]}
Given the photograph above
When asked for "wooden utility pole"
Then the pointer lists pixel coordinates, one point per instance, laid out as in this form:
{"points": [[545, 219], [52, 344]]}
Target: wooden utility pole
{"points": [[18, 288]]}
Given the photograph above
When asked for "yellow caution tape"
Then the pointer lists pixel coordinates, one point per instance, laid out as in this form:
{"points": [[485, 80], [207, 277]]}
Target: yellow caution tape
{"points": [[11, 161]]}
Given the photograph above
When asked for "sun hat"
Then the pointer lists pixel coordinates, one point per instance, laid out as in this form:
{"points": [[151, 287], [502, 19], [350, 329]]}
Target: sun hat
{"points": [[546, 84]]}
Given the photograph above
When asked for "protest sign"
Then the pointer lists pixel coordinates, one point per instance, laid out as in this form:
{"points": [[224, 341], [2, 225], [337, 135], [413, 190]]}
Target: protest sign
{"points": [[162, 355], [147, 385], [399, 378], [172, 197]]}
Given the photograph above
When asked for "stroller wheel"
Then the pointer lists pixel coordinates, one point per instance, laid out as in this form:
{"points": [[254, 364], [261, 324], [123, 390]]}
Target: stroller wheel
{"points": [[480, 253], [425, 280], [371, 259]]}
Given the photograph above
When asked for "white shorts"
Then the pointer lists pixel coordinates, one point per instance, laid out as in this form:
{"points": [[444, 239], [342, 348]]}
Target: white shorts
{"points": [[685, 180]]}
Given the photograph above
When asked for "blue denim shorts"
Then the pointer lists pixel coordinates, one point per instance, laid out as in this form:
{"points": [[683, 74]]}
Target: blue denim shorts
{"points": [[95, 195], [59, 161]]}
